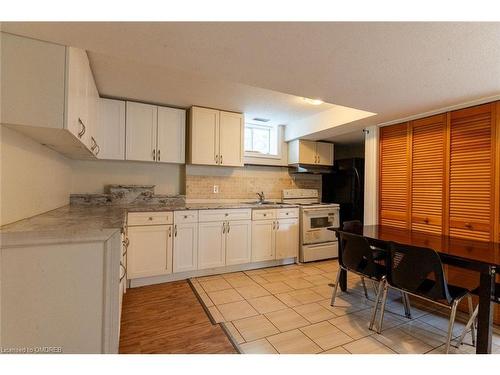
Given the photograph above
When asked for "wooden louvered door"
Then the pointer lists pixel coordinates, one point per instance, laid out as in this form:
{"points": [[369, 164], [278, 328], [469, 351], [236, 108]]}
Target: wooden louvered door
{"points": [[394, 176], [472, 173], [428, 155]]}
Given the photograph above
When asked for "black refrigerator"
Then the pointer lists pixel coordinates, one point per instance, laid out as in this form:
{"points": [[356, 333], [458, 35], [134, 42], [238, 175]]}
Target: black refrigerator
{"points": [[345, 186]]}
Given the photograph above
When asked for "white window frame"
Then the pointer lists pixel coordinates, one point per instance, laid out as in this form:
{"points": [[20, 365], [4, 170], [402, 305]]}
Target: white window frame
{"points": [[274, 135]]}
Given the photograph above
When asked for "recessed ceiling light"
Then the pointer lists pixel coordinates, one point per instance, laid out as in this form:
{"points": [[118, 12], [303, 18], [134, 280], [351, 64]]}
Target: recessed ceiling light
{"points": [[313, 101]]}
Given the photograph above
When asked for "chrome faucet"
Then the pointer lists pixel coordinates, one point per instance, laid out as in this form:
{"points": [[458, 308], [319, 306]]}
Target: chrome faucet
{"points": [[261, 196]]}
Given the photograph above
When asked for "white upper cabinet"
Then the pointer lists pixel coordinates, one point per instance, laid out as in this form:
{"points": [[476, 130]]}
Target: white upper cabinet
{"points": [[171, 138], [310, 152], [231, 139], [155, 133], [215, 137], [141, 132], [204, 136], [111, 129], [51, 94]]}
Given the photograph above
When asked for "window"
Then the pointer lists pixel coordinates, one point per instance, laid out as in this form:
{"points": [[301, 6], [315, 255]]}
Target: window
{"points": [[261, 140]]}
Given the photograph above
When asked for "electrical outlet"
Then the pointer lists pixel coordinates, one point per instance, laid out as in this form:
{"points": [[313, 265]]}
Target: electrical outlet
{"points": [[216, 189]]}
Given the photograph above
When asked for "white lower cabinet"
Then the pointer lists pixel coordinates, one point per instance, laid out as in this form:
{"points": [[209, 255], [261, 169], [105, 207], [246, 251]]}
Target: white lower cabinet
{"points": [[277, 238], [287, 238], [211, 244], [238, 242], [150, 251], [185, 247], [263, 240]]}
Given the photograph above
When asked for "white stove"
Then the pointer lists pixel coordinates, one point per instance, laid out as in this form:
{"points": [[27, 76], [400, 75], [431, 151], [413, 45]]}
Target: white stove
{"points": [[317, 242]]}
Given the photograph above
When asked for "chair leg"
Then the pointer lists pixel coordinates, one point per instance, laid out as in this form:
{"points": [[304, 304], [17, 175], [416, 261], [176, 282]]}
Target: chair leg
{"points": [[473, 324], [380, 288], [334, 294], [382, 310], [406, 304], [450, 325], [364, 287], [470, 324]]}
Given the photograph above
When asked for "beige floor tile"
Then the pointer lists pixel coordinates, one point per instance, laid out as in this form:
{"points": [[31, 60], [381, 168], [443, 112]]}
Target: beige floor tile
{"points": [[240, 281], [215, 285], [367, 345], [234, 332], [261, 271], [401, 342], [205, 299], [293, 342], [327, 267], [236, 310], [441, 322], [267, 304], [224, 296], [288, 300], [353, 325], [261, 346], [463, 349], [324, 290], [337, 350], [277, 287], [286, 319], [273, 277], [306, 296], [252, 291], [317, 280], [311, 270], [230, 275], [326, 335], [344, 306], [255, 327], [293, 273], [216, 315], [314, 312], [424, 332], [208, 278], [398, 308], [259, 279], [298, 283]]}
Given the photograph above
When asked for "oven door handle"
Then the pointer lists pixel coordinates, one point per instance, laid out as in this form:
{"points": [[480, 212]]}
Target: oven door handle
{"points": [[328, 210]]}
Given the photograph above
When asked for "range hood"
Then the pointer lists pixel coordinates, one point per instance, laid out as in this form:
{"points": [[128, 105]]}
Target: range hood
{"points": [[309, 168]]}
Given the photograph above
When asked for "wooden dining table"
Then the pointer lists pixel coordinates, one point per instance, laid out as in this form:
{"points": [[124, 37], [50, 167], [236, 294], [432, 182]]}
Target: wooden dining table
{"points": [[480, 256]]}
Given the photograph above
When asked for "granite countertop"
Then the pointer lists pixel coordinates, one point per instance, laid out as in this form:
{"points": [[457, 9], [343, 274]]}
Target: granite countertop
{"points": [[87, 223]]}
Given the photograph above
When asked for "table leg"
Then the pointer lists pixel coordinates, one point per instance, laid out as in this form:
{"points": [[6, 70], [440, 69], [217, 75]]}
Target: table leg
{"points": [[343, 280], [485, 315]]}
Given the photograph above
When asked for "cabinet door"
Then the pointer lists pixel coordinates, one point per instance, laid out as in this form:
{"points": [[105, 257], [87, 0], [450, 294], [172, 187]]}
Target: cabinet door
{"points": [[211, 245], [324, 152], [204, 136], [287, 238], [263, 240], [140, 126], [150, 251], [427, 174], [471, 201], [77, 121], [171, 135], [111, 129], [394, 196], [93, 112], [185, 247], [307, 152], [238, 242], [231, 133]]}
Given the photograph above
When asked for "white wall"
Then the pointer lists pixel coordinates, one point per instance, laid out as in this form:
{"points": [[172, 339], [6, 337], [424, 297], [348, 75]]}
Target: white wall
{"points": [[33, 178], [91, 176]]}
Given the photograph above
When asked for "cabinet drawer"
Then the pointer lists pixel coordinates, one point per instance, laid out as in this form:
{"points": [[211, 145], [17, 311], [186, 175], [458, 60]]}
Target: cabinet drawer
{"points": [[185, 217], [221, 215], [150, 218], [263, 214], [284, 213]]}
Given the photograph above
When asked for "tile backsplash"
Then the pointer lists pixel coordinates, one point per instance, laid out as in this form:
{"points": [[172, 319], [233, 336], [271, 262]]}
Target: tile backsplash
{"points": [[244, 183]]}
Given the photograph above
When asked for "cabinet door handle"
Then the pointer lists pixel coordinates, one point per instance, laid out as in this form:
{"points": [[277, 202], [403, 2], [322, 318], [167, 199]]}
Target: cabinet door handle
{"points": [[274, 225], [175, 230], [228, 227], [169, 232], [98, 149], [223, 227], [154, 154], [220, 156], [84, 129], [319, 159], [94, 144], [278, 225], [159, 155], [124, 271]]}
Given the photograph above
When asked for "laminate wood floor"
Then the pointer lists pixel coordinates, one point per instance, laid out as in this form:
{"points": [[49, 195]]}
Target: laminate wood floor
{"points": [[168, 318]]}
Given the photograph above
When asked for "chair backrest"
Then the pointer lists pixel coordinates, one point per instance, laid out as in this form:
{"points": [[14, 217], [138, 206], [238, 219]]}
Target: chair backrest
{"points": [[417, 270], [353, 226], [357, 255]]}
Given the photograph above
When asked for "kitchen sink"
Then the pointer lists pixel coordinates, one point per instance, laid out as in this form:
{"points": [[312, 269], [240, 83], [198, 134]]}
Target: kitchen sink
{"points": [[262, 202]]}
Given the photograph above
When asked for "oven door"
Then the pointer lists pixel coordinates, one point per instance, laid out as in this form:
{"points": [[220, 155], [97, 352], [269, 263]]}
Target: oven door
{"points": [[315, 224]]}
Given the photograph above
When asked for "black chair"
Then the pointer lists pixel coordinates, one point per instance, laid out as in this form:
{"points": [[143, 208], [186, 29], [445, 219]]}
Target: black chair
{"points": [[471, 324], [418, 271], [357, 256]]}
